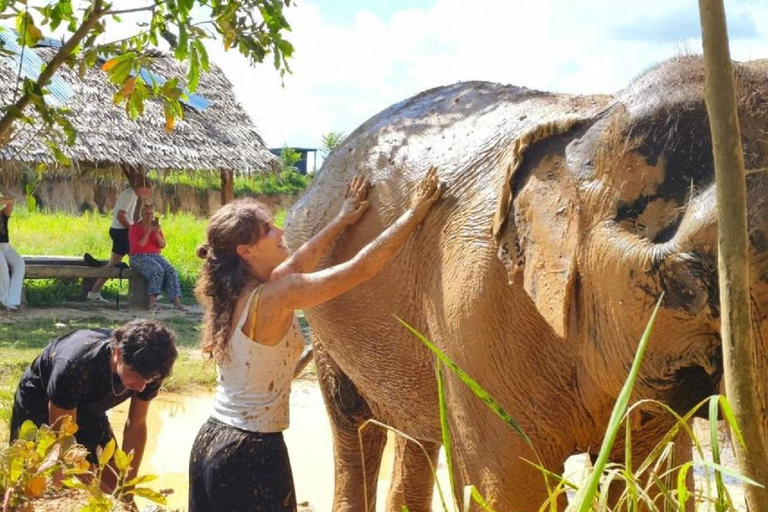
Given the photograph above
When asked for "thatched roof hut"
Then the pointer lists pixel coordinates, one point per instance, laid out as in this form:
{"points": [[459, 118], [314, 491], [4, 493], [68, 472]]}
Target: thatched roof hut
{"points": [[216, 134]]}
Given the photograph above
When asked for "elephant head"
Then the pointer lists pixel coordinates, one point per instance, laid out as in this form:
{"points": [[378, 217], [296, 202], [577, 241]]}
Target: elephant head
{"points": [[605, 215]]}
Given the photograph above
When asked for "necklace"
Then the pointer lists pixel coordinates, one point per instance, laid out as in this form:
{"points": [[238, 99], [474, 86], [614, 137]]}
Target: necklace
{"points": [[112, 383]]}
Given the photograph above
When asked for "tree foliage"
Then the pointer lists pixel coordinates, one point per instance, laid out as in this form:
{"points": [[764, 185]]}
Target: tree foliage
{"points": [[331, 141], [255, 28]]}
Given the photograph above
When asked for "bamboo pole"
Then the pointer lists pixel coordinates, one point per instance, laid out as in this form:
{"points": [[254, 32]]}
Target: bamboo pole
{"points": [[733, 267]]}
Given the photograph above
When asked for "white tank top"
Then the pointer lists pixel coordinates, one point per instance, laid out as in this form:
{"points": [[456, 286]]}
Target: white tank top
{"points": [[254, 382]]}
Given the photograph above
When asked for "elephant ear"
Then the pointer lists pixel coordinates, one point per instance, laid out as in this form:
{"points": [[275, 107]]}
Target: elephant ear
{"points": [[536, 224]]}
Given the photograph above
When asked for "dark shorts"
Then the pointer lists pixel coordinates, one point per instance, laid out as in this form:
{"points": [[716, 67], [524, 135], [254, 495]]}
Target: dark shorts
{"points": [[120, 244], [233, 470], [93, 430]]}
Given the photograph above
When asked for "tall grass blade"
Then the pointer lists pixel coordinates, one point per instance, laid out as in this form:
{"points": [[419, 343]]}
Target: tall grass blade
{"points": [[476, 388], [445, 431], [720, 504], [586, 494]]}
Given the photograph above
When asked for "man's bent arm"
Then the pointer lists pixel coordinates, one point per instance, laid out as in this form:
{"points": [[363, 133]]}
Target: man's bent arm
{"points": [[135, 433], [54, 413]]}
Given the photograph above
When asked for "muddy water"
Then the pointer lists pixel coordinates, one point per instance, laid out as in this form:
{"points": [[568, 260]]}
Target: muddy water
{"points": [[174, 420]]}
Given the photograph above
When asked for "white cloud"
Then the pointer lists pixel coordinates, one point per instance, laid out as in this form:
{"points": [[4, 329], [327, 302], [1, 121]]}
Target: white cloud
{"points": [[343, 74]]}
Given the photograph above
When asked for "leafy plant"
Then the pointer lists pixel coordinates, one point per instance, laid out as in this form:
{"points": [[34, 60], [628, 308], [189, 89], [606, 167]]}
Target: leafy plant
{"points": [[40, 459], [113, 459], [331, 141], [254, 27], [48, 459]]}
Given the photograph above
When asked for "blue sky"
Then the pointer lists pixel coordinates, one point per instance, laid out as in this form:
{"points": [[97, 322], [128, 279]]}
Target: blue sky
{"points": [[355, 58]]}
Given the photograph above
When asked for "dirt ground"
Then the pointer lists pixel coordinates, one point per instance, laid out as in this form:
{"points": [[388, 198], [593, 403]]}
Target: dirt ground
{"points": [[80, 309]]}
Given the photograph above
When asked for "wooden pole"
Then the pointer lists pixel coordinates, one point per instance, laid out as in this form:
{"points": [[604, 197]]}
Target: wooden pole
{"points": [[227, 187], [733, 265]]}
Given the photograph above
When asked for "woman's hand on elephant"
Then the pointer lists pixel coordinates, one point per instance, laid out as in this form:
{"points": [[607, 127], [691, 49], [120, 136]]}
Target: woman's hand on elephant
{"points": [[427, 192], [355, 204]]}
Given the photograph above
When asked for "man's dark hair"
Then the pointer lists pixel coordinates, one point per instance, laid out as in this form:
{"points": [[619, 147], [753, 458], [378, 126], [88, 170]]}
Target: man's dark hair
{"points": [[148, 347]]}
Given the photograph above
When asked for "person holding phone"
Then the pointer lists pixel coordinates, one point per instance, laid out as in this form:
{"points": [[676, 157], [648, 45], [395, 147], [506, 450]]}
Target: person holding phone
{"points": [[146, 241]]}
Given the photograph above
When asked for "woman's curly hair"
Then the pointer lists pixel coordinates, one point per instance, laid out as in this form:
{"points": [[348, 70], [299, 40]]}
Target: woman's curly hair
{"points": [[224, 274]]}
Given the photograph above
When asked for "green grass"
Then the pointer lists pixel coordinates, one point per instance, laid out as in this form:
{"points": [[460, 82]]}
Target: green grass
{"points": [[287, 181], [60, 234]]}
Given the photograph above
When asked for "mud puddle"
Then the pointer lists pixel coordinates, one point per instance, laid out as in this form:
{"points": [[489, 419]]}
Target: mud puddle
{"points": [[174, 420]]}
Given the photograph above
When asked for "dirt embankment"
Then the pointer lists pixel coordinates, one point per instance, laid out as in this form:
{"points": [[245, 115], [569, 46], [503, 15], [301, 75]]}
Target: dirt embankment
{"points": [[72, 196]]}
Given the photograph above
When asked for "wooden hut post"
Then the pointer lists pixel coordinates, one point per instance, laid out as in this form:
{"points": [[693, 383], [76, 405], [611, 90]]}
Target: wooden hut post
{"points": [[738, 349], [227, 186]]}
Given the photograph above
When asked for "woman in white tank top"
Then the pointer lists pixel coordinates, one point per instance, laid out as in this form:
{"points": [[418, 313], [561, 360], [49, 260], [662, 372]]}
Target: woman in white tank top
{"points": [[250, 287]]}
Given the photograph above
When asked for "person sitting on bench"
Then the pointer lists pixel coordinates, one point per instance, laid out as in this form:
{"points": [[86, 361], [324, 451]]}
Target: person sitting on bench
{"points": [[147, 240], [11, 264]]}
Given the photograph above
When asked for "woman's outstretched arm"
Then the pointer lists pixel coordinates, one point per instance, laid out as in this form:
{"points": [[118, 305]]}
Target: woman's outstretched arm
{"points": [[308, 256], [281, 297]]}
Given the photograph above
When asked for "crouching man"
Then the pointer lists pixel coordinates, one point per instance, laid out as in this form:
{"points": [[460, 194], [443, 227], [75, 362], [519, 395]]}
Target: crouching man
{"points": [[87, 372]]}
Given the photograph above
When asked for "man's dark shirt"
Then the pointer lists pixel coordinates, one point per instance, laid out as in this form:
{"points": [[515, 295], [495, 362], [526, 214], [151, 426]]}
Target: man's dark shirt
{"points": [[74, 371]]}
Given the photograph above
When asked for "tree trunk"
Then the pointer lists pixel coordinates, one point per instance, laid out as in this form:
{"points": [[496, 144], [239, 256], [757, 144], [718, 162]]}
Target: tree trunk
{"points": [[739, 365], [61, 56], [227, 187]]}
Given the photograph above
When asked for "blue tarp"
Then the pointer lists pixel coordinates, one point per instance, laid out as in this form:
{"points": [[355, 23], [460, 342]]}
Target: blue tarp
{"points": [[60, 90], [31, 66]]}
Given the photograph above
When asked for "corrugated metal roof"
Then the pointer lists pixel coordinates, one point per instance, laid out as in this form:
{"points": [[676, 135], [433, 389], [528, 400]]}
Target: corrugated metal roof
{"points": [[31, 66]]}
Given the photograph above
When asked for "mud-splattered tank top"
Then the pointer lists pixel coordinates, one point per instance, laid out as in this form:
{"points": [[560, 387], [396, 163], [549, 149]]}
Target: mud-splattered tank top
{"points": [[254, 381]]}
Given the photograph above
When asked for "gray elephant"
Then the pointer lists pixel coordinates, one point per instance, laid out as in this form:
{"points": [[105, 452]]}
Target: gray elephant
{"points": [[563, 220]]}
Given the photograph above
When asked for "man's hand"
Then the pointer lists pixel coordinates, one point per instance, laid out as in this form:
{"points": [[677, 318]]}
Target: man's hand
{"points": [[355, 204]]}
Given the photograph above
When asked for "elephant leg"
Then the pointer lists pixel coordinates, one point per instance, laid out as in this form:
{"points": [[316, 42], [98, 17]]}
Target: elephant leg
{"points": [[356, 471], [412, 481]]}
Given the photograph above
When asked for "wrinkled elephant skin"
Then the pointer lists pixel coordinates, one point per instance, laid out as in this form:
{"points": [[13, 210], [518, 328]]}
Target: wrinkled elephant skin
{"points": [[563, 220]]}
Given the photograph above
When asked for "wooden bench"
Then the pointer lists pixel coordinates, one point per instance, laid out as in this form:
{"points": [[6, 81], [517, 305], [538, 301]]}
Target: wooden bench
{"points": [[72, 267]]}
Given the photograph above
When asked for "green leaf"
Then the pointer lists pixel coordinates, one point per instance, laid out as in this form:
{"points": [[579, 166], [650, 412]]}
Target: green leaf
{"points": [[194, 70], [149, 494], [182, 45], [143, 479], [203, 53], [28, 431], [105, 454], [121, 461]]}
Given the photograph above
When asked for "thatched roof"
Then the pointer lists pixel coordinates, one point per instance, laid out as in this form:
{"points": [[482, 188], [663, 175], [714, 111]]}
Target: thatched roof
{"points": [[219, 137]]}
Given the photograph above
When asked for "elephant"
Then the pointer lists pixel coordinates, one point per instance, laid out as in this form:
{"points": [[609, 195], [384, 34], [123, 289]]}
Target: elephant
{"points": [[563, 220]]}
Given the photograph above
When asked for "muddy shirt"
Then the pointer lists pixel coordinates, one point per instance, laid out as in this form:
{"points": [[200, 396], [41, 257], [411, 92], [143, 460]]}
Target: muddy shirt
{"points": [[74, 371], [254, 381]]}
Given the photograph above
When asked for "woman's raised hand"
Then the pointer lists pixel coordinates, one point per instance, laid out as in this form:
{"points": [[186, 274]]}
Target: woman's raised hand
{"points": [[355, 204], [426, 193]]}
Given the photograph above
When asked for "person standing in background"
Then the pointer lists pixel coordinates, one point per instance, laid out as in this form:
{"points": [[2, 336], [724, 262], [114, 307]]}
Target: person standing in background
{"points": [[122, 220]]}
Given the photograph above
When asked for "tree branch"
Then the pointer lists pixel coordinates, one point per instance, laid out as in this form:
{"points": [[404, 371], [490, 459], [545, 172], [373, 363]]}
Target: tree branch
{"points": [[129, 11], [58, 59]]}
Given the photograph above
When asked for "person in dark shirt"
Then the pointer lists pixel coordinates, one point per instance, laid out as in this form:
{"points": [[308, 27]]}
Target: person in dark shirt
{"points": [[89, 371]]}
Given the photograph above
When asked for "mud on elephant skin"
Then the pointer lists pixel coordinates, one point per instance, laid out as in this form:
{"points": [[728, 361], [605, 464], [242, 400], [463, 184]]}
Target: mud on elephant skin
{"points": [[563, 220]]}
